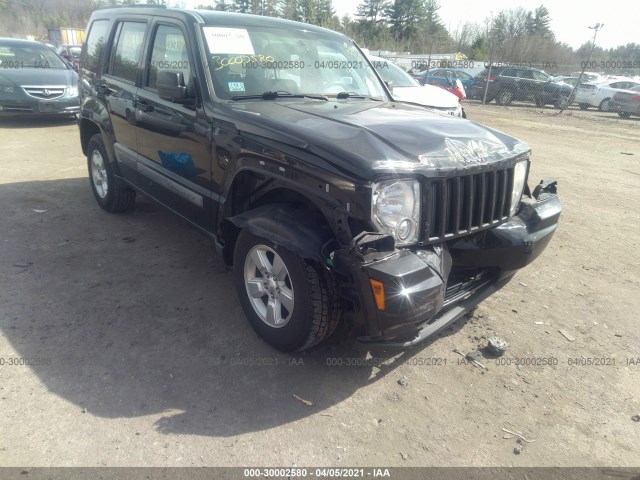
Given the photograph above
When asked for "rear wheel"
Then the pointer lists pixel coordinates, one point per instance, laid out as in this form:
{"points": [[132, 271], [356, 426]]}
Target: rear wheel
{"points": [[539, 102], [563, 102], [110, 193], [604, 105], [624, 114], [289, 302], [583, 106], [505, 97]]}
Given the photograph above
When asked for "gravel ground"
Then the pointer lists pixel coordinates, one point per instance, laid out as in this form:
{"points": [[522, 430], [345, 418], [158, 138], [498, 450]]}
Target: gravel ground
{"points": [[139, 355]]}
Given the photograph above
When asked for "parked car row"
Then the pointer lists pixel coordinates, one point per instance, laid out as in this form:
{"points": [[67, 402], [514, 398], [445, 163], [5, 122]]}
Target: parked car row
{"points": [[599, 95]]}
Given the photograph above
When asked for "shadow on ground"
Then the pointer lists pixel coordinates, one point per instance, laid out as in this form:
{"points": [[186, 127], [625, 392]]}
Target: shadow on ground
{"points": [[134, 314]]}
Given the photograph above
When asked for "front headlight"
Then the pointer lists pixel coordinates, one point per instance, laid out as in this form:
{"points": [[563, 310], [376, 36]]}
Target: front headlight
{"points": [[396, 209], [519, 179], [73, 91]]}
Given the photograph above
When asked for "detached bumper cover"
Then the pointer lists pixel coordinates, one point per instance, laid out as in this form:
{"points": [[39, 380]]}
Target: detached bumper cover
{"points": [[415, 282]]}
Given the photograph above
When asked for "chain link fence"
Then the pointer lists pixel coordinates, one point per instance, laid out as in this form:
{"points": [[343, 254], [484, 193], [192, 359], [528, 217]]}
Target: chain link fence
{"points": [[611, 86]]}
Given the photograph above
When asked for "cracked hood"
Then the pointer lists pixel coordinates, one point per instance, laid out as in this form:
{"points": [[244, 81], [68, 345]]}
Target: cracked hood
{"points": [[369, 138]]}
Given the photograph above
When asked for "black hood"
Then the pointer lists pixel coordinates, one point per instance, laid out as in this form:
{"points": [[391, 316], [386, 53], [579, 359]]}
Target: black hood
{"points": [[18, 77], [369, 138]]}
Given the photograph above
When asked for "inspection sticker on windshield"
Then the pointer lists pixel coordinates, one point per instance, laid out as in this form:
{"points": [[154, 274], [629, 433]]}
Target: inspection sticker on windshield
{"points": [[235, 41], [236, 86]]}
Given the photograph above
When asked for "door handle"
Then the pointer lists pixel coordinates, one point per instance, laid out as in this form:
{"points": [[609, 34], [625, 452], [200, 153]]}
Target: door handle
{"points": [[144, 106]]}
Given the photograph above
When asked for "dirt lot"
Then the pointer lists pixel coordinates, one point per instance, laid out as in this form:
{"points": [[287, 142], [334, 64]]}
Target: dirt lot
{"points": [[140, 355]]}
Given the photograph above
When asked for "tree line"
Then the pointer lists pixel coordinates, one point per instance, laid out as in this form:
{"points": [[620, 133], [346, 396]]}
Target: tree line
{"points": [[513, 35]]}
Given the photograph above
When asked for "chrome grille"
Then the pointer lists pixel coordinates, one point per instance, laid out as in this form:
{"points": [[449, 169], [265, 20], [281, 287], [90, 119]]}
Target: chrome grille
{"points": [[466, 204], [44, 93]]}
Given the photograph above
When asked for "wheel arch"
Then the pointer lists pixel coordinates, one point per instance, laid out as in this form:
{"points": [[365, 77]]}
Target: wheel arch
{"points": [[288, 215], [87, 130]]}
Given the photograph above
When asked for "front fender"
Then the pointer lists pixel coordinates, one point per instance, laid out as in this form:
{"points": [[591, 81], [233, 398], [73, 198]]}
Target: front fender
{"points": [[305, 233]]}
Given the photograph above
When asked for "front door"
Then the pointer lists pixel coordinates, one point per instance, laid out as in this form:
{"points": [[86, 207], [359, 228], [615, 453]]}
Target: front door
{"points": [[174, 160]]}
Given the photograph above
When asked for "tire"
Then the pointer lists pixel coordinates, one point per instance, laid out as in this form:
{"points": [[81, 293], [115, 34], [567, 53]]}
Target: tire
{"points": [[505, 97], [583, 106], [304, 296], [109, 191], [539, 102], [604, 105], [624, 114], [563, 102]]}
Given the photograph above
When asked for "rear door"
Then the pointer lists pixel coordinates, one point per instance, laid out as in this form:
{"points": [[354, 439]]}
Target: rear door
{"points": [[119, 86], [527, 86], [508, 79]]}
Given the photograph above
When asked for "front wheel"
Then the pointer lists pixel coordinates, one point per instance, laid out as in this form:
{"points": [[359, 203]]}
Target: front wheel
{"points": [[290, 303]]}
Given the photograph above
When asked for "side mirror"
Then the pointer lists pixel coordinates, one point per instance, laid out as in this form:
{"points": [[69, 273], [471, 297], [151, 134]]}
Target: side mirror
{"points": [[389, 86], [171, 86]]}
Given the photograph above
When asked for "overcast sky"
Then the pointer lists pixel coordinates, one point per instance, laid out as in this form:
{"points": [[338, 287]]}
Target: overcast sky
{"points": [[569, 20]]}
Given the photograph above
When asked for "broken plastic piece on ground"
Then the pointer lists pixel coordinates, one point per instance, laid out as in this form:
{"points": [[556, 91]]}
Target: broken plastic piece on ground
{"points": [[497, 346]]}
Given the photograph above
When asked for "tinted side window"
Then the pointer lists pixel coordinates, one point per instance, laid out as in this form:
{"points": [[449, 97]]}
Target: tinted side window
{"points": [[94, 46], [540, 76], [527, 74], [509, 72], [169, 52], [126, 55]]}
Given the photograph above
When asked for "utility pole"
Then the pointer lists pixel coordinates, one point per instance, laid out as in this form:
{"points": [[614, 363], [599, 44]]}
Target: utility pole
{"points": [[596, 28]]}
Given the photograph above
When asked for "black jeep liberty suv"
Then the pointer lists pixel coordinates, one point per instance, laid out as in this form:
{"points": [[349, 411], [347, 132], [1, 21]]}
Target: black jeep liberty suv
{"points": [[331, 200]]}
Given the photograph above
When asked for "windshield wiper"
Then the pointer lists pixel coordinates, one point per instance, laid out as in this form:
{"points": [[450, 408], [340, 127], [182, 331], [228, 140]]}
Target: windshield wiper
{"points": [[345, 95], [279, 94]]}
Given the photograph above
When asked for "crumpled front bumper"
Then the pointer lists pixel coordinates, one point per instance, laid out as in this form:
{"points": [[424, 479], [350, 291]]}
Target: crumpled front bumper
{"points": [[417, 303]]}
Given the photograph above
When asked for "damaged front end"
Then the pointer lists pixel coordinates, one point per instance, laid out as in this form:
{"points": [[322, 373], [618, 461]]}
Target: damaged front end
{"points": [[404, 295]]}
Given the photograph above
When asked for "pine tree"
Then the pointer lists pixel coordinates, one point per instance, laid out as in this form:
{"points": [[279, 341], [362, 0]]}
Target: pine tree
{"points": [[542, 23], [405, 17], [271, 8], [290, 10], [372, 10]]}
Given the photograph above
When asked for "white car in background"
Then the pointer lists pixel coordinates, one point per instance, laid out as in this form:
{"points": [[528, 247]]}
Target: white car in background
{"points": [[598, 95], [406, 89]]}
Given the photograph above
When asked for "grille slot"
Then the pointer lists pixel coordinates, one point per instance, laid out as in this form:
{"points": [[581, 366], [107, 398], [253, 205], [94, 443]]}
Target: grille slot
{"points": [[465, 204]]}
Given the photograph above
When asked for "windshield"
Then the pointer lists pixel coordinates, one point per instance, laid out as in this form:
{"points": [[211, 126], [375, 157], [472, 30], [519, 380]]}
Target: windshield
{"points": [[29, 56], [254, 60], [390, 72]]}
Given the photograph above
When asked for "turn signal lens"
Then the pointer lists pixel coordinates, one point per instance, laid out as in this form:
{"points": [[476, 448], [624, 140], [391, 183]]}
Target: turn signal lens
{"points": [[378, 293]]}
